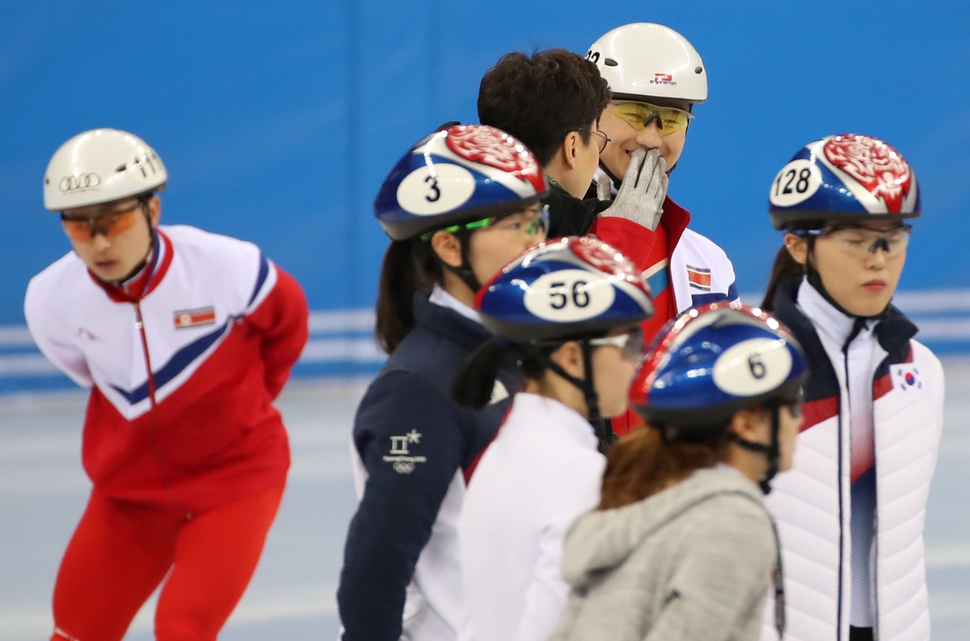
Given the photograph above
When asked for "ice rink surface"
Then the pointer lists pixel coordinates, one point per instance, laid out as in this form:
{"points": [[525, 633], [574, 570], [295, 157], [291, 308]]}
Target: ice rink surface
{"points": [[43, 491]]}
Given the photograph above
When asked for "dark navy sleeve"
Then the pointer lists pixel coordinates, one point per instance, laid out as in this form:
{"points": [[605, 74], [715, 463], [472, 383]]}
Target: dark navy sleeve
{"points": [[410, 440]]}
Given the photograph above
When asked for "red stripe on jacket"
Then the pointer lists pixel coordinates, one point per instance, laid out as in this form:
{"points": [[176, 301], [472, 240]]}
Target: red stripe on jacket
{"points": [[217, 438]]}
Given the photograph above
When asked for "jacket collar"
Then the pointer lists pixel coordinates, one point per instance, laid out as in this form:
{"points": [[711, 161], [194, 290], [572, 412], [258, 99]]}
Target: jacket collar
{"points": [[145, 282], [447, 322], [892, 329]]}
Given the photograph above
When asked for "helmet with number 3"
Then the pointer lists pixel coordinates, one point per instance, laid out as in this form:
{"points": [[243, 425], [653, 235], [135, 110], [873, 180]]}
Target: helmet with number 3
{"points": [[711, 362], [459, 174], [563, 289], [845, 178]]}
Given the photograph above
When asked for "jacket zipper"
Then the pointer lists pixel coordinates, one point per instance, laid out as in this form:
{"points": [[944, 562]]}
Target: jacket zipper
{"points": [[153, 411]]}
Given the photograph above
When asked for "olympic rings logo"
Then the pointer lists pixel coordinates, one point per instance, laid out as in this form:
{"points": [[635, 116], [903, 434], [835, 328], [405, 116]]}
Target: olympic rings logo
{"points": [[77, 183]]}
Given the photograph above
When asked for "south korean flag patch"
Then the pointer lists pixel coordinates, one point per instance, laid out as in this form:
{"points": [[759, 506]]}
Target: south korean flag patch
{"points": [[906, 377]]}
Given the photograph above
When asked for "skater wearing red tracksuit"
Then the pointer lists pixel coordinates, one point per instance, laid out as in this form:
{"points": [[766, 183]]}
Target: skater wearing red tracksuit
{"points": [[185, 338]]}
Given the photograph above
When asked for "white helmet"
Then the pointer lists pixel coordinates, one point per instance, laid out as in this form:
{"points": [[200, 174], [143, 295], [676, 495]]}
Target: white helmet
{"points": [[99, 166], [643, 59]]}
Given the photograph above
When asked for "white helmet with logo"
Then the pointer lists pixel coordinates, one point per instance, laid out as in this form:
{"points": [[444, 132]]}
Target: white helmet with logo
{"points": [[644, 60], [99, 166]]}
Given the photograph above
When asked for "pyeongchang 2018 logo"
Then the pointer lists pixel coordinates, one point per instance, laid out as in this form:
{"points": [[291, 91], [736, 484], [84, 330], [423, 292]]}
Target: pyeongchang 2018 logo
{"points": [[663, 79]]}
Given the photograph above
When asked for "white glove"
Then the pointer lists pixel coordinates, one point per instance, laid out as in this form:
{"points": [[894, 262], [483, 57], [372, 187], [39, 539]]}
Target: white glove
{"points": [[641, 196]]}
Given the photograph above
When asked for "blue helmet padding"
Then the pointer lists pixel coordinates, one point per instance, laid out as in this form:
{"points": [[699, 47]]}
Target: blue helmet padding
{"points": [[685, 379]]}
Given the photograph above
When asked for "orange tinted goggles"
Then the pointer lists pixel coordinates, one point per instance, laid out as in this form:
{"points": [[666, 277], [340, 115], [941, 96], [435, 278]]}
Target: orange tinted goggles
{"points": [[108, 225]]}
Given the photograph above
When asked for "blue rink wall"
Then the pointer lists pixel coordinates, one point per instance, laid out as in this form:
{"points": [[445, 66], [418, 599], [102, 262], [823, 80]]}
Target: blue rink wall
{"points": [[278, 121]]}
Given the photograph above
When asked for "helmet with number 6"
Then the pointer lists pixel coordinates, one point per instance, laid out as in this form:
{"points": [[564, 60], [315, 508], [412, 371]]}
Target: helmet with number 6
{"points": [[712, 362], [459, 174], [845, 178], [644, 60], [562, 289], [99, 166]]}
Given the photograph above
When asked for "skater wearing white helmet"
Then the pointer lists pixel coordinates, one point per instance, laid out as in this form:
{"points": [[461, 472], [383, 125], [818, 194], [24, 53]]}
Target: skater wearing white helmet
{"points": [[184, 338], [656, 77]]}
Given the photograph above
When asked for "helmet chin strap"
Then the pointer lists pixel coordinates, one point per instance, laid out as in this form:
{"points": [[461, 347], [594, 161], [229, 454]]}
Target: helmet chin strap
{"points": [[463, 271], [815, 280], [771, 450], [601, 425]]}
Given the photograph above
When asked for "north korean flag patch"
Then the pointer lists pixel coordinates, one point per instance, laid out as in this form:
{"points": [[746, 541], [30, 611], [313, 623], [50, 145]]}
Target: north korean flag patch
{"points": [[699, 277], [195, 317]]}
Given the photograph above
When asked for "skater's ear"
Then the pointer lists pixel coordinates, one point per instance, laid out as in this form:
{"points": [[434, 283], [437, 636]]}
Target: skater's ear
{"points": [[797, 247], [448, 248]]}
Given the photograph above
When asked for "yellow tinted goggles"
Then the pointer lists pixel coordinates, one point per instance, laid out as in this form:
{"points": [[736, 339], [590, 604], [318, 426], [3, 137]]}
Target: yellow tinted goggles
{"points": [[639, 114]]}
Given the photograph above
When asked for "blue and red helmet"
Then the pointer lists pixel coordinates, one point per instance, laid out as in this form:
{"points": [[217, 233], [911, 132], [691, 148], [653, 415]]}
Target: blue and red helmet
{"points": [[711, 362], [459, 174], [848, 177], [564, 288]]}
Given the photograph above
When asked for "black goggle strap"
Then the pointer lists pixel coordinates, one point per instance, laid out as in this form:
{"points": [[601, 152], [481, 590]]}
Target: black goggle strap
{"points": [[770, 450], [601, 426], [464, 271]]}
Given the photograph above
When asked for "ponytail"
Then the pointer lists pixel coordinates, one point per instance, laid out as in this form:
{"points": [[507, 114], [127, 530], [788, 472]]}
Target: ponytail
{"points": [[409, 266], [643, 463], [472, 385], [785, 267]]}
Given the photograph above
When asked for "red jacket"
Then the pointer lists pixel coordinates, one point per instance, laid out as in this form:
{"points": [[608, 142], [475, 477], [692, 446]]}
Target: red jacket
{"points": [[221, 327]]}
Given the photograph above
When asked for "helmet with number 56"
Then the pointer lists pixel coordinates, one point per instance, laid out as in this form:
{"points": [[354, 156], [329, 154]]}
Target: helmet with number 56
{"points": [[564, 288], [570, 289]]}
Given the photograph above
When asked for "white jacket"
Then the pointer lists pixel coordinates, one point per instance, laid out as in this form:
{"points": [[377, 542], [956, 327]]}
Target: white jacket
{"points": [[811, 503], [540, 473]]}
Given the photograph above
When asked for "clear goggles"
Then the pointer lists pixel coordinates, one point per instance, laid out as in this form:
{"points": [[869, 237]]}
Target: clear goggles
{"points": [[631, 344], [639, 115], [862, 241], [530, 222]]}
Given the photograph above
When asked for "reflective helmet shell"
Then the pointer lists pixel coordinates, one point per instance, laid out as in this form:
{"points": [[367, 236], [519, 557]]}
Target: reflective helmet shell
{"points": [[99, 166], [711, 362], [846, 177], [564, 288], [643, 60], [460, 174]]}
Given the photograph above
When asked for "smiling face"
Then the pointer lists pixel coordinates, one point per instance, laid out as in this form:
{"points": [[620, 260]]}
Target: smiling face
{"points": [[112, 238], [625, 139]]}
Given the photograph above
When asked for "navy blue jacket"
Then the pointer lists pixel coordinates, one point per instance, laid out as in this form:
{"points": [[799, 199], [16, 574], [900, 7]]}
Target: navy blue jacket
{"points": [[412, 438]]}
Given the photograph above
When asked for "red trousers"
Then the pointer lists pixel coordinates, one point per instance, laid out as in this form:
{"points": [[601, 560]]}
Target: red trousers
{"points": [[122, 551]]}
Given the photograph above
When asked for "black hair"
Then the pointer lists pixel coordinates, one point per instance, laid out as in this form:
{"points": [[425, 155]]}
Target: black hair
{"points": [[472, 385], [409, 266], [542, 98]]}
